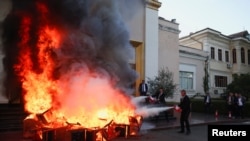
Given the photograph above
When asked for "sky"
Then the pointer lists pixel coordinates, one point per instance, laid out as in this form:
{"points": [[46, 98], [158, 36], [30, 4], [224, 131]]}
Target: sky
{"points": [[225, 16]]}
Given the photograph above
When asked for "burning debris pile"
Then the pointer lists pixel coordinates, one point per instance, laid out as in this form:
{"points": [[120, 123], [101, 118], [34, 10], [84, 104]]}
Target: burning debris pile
{"points": [[39, 127], [70, 60]]}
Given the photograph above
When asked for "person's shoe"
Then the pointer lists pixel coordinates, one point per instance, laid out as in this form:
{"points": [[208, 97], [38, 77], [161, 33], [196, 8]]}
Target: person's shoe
{"points": [[180, 131], [188, 132]]}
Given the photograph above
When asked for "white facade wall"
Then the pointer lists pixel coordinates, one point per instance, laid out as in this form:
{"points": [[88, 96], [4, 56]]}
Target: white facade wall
{"points": [[193, 60], [219, 68], [169, 50], [151, 43], [169, 46]]}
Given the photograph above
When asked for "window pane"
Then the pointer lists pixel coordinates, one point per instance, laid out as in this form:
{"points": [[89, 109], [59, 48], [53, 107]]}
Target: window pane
{"points": [[186, 80], [234, 56], [219, 55], [242, 55], [212, 52], [226, 56]]}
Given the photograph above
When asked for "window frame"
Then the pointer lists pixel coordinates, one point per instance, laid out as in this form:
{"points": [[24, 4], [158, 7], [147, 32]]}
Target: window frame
{"points": [[220, 81], [242, 55], [212, 53], [234, 55], [185, 80], [226, 56], [220, 54]]}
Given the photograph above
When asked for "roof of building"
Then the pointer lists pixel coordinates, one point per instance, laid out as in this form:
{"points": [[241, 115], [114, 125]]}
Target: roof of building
{"points": [[243, 34], [203, 30]]}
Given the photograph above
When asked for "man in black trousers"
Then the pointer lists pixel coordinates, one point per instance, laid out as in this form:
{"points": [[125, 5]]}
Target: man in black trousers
{"points": [[207, 103], [143, 88], [185, 111]]}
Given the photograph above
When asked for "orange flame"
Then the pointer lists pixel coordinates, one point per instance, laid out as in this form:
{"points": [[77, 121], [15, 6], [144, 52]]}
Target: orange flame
{"points": [[79, 96]]}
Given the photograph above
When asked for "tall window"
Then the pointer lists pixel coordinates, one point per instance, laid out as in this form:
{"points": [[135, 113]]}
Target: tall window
{"points": [[212, 53], [186, 80], [220, 81], [248, 57], [242, 54], [234, 56], [226, 56], [219, 54]]}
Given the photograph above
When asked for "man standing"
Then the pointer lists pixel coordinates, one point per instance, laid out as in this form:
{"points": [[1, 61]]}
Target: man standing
{"points": [[143, 88], [240, 105], [207, 103], [185, 111]]}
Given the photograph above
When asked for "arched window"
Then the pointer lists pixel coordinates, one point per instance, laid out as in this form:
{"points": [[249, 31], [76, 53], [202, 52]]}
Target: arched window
{"points": [[242, 54], [234, 56]]}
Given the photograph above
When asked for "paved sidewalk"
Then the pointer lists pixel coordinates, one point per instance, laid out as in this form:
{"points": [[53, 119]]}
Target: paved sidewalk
{"points": [[161, 124], [195, 119]]}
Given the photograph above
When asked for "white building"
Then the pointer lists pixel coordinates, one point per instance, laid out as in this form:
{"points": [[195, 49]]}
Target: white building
{"points": [[227, 55]]}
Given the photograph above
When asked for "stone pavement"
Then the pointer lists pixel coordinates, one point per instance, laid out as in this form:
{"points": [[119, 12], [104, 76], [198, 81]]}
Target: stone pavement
{"points": [[161, 124], [195, 119]]}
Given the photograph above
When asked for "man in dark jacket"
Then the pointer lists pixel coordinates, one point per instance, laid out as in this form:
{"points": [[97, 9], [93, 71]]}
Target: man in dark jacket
{"points": [[207, 103], [143, 88], [160, 96], [185, 111], [160, 102]]}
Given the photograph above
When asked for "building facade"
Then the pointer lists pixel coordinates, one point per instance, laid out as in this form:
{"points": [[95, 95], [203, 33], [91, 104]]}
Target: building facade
{"points": [[227, 55], [191, 69], [169, 50]]}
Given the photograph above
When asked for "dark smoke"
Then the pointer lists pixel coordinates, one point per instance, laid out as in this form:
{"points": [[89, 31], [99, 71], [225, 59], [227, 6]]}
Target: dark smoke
{"points": [[95, 35]]}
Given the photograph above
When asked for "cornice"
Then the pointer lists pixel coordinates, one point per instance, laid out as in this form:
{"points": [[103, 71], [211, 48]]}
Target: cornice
{"points": [[153, 4], [169, 29], [192, 56]]}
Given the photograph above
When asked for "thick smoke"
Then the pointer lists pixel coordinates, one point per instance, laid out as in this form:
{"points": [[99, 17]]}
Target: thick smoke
{"points": [[94, 35]]}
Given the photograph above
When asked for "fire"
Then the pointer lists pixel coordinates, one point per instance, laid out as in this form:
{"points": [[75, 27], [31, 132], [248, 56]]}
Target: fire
{"points": [[38, 85], [74, 92], [82, 95], [71, 59]]}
